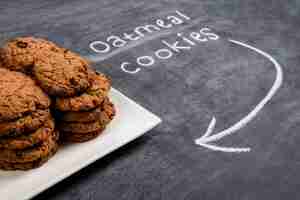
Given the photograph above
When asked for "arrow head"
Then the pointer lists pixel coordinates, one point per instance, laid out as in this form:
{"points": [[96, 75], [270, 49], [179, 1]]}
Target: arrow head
{"points": [[206, 138], [208, 132]]}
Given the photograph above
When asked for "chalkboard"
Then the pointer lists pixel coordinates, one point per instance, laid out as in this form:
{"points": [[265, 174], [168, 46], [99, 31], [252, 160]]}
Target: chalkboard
{"points": [[222, 75]]}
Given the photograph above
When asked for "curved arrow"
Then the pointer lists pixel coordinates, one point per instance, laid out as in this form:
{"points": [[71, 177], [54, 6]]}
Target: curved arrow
{"points": [[207, 138]]}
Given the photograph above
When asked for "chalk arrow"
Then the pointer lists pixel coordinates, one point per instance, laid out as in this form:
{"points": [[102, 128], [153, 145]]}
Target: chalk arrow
{"points": [[207, 138]]}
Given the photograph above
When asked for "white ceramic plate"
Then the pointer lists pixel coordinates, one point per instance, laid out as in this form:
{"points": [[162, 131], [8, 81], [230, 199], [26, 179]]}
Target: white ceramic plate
{"points": [[131, 121]]}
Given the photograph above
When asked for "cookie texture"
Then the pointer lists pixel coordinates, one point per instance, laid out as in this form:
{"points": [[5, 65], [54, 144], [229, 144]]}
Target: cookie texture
{"points": [[81, 127], [92, 98], [29, 165], [80, 137], [105, 111], [19, 95], [28, 140], [30, 154], [109, 111], [19, 54], [27, 123], [62, 74], [77, 128], [81, 116]]}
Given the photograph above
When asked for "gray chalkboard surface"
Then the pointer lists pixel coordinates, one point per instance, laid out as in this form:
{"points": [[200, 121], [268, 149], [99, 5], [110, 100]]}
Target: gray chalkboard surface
{"points": [[188, 61]]}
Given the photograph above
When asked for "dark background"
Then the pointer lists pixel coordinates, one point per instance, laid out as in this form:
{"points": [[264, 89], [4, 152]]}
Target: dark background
{"points": [[216, 78]]}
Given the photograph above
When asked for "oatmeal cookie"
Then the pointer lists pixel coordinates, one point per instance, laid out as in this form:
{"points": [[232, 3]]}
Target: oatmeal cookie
{"points": [[80, 127], [19, 95], [62, 74], [4, 165], [28, 140], [105, 112], [80, 137], [30, 154], [28, 123], [90, 99], [20, 53]]}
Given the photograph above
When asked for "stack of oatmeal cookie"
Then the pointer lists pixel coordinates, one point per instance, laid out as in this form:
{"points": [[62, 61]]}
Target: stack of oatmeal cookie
{"points": [[27, 135], [80, 103], [84, 116]]}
